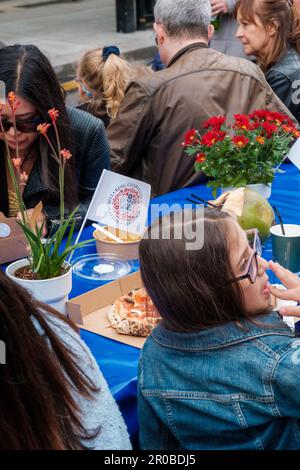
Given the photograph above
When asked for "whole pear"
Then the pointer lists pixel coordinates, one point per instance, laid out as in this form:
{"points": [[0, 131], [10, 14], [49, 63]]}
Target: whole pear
{"points": [[257, 213]]}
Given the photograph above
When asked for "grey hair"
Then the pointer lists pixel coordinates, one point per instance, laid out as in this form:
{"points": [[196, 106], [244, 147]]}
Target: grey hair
{"points": [[183, 18]]}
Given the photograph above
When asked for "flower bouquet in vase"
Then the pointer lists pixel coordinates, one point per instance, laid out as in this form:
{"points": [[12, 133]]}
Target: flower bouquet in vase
{"points": [[45, 271], [247, 152], [242, 158]]}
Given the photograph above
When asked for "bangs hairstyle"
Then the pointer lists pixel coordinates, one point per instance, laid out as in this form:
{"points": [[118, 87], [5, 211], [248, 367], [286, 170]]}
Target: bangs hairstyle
{"points": [[192, 289], [282, 12]]}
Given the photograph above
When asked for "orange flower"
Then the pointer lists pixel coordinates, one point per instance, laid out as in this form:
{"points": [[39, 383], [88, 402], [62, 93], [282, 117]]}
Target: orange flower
{"points": [[53, 113], [16, 162], [43, 128], [260, 139], [66, 154], [12, 101], [296, 133], [23, 178], [287, 128]]}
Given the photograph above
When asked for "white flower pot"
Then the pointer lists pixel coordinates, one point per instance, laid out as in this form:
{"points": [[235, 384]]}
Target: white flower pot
{"points": [[263, 189], [53, 292]]}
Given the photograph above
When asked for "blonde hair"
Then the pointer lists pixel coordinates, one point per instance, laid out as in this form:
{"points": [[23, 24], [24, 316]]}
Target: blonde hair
{"points": [[107, 80]]}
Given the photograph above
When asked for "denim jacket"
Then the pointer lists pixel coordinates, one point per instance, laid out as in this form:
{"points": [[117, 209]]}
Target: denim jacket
{"points": [[228, 387]]}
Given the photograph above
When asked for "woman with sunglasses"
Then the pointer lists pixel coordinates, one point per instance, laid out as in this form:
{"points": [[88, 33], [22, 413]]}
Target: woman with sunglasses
{"points": [[26, 71], [218, 372]]}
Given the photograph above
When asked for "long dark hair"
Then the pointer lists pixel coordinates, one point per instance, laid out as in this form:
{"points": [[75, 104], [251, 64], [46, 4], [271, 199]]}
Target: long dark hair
{"points": [[287, 17], [37, 409], [192, 289], [26, 70]]}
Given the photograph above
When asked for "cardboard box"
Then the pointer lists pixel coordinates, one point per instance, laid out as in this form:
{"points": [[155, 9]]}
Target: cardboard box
{"points": [[89, 310], [13, 244]]}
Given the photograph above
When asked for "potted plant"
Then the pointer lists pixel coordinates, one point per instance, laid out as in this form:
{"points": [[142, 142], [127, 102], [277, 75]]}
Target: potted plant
{"points": [[246, 152], [45, 272]]}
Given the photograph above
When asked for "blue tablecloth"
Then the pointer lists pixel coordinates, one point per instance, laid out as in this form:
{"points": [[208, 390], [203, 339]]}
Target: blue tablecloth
{"points": [[117, 361]]}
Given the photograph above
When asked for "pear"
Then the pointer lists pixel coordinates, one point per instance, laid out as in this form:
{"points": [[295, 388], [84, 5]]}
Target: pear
{"points": [[256, 213]]}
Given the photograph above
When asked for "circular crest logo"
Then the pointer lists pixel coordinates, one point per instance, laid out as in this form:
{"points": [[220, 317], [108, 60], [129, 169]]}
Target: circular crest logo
{"points": [[125, 203]]}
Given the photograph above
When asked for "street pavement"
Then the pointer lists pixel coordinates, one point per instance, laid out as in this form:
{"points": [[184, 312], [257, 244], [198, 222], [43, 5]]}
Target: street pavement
{"points": [[64, 30]]}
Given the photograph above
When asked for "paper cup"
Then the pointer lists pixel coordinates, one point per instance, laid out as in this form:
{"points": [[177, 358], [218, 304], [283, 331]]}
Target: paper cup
{"points": [[286, 248], [129, 249]]}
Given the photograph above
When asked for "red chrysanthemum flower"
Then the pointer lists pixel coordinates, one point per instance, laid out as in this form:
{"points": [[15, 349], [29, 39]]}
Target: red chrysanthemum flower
{"points": [[190, 136], [260, 114], [212, 137], [200, 157], [242, 122], [240, 140], [269, 128], [215, 122]]}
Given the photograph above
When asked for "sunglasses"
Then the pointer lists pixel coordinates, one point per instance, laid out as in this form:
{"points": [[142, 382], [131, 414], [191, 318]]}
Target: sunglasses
{"points": [[251, 270], [28, 126]]}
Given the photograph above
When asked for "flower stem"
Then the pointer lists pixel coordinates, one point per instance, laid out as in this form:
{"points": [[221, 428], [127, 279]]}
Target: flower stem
{"points": [[61, 177], [12, 172]]}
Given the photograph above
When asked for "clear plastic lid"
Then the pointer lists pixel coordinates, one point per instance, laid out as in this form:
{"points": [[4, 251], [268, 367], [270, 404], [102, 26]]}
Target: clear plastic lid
{"points": [[105, 267]]}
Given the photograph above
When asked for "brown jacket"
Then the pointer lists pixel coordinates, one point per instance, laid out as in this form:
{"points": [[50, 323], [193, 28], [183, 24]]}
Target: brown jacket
{"points": [[158, 110]]}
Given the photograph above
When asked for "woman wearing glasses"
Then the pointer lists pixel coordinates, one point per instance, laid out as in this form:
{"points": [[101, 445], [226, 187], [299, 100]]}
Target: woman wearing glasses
{"points": [[27, 72], [218, 372]]}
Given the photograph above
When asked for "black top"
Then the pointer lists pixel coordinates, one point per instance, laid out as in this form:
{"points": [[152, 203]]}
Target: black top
{"points": [[92, 156]]}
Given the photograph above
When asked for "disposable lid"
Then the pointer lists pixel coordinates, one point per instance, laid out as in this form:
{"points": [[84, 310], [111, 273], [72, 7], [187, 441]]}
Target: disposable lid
{"points": [[98, 267]]}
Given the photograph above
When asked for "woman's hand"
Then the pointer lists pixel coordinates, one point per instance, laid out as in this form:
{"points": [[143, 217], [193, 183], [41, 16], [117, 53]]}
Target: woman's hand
{"points": [[218, 6], [39, 220], [292, 283]]}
